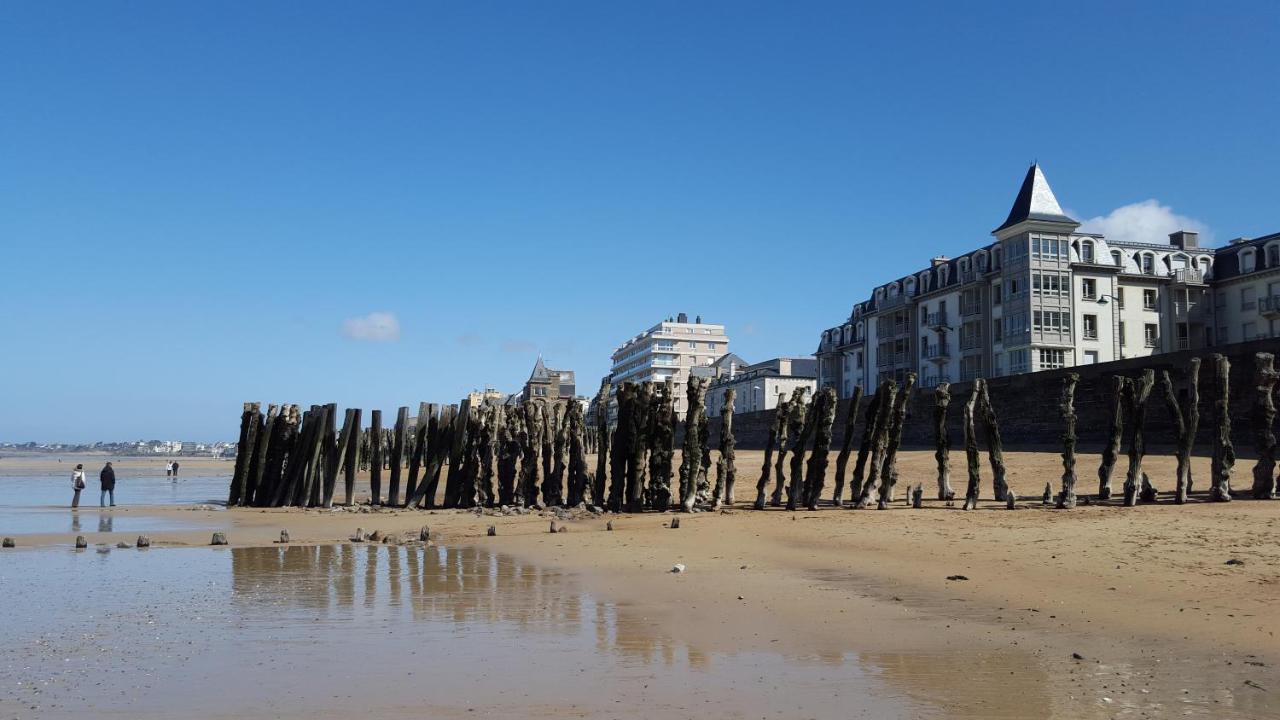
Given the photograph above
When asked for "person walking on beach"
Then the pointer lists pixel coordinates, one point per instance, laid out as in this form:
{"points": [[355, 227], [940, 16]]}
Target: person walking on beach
{"points": [[168, 469], [77, 484], [175, 471], [108, 479]]}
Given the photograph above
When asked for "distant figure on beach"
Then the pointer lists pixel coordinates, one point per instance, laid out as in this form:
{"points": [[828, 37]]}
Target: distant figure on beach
{"points": [[77, 484], [168, 469], [175, 471], [108, 479]]}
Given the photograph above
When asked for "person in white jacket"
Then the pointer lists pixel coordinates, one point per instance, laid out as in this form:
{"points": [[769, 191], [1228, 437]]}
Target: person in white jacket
{"points": [[77, 484]]}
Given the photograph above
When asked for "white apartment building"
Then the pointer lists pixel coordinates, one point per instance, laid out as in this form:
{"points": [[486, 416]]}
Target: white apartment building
{"points": [[1045, 296], [1246, 289], [674, 348], [757, 387]]}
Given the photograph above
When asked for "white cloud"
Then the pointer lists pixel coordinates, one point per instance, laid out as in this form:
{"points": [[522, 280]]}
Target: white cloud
{"points": [[374, 327], [1147, 221]]}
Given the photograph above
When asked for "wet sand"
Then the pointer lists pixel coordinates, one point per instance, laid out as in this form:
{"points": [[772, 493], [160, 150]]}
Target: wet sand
{"points": [[1164, 626]]}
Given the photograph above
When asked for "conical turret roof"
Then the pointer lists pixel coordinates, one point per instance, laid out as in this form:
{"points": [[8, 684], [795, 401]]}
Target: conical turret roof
{"points": [[1035, 201]]}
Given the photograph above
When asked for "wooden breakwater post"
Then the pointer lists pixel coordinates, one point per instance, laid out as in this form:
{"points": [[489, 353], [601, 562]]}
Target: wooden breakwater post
{"points": [[375, 457], [816, 473], [691, 459], [1067, 409], [1115, 435], [846, 447], [879, 442], [795, 490], [1264, 418], [662, 446], [942, 440], [774, 439], [726, 465], [397, 455], [1185, 424], [793, 424], [1137, 411], [889, 475], [1224, 453], [973, 461]]}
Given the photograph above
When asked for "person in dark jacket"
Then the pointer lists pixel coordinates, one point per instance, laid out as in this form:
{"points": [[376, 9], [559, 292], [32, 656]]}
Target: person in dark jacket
{"points": [[175, 471], [108, 479]]}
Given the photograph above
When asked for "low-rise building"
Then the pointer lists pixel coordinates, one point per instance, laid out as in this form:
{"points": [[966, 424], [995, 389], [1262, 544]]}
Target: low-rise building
{"points": [[758, 387]]}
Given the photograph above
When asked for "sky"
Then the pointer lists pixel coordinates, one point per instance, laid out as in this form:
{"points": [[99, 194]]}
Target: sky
{"points": [[377, 204]]}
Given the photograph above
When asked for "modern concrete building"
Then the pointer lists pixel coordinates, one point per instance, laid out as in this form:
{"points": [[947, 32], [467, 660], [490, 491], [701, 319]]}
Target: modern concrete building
{"points": [[674, 348], [758, 386], [1042, 296]]}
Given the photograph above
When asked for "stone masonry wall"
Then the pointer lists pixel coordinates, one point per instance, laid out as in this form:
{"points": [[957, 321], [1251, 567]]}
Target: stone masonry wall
{"points": [[1027, 405]]}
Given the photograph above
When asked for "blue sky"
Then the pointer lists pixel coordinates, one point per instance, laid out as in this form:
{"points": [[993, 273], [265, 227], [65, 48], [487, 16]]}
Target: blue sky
{"points": [[196, 198]]}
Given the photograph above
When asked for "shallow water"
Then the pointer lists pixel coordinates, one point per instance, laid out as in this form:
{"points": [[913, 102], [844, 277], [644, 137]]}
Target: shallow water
{"points": [[41, 504], [376, 631]]}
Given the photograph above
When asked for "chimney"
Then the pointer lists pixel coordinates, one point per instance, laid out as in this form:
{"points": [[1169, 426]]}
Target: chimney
{"points": [[682, 318], [939, 260], [697, 320], [733, 369], [1185, 240]]}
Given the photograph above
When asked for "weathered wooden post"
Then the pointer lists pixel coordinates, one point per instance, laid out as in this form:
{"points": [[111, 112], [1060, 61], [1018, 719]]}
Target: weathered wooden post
{"points": [[331, 452], [457, 454], [1067, 409], [1185, 424], [1119, 388], [1264, 418], [578, 474], [868, 438], [280, 463], [995, 446], [727, 464], [880, 441], [418, 447], [488, 450], [846, 446], [662, 441], [1137, 401], [250, 426], [622, 446], [397, 455], [889, 475], [553, 484], [795, 492], [797, 409], [817, 471], [375, 457], [257, 467], [1224, 453], [602, 445], [942, 440], [691, 460], [776, 430], [639, 447], [972, 458], [509, 452], [531, 462]]}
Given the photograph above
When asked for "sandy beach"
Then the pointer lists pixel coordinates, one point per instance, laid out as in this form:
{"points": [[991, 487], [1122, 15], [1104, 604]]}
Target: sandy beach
{"points": [[1101, 611]]}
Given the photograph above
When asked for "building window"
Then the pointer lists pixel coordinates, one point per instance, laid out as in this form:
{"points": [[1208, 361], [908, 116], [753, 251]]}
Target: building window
{"points": [[1273, 255], [1247, 257], [996, 293], [1248, 299], [997, 333], [1248, 331], [1117, 259], [1120, 298], [1121, 331], [1053, 359], [1148, 299], [1148, 264], [1089, 289], [1090, 327], [1086, 251], [1150, 335], [1222, 335]]}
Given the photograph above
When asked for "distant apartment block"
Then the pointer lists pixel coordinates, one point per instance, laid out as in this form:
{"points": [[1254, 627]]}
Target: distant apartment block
{"points": [[1045, 296], [757, 387], [675, 349]]}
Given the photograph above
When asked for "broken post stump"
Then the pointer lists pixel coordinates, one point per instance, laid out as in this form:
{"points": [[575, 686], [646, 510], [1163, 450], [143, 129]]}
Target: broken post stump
{"points": [[1067, 409], [1119, 386], [1264, 418], [1224, 453], [846, 446], [1137, 411], [972, 458]]}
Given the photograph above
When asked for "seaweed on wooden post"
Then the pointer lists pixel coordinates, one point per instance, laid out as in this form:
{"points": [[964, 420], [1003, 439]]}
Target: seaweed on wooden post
{"points": [[868, 437], [846, 446], [1185, 425], [488, 450], [509, 452], [282, 433], [340, 455], [577, 467], [774, 439], [375, 457], [726, 466], [635, 486], [797, 411], [942, 440], [1224, 453], [1067, 409], [250, 422], [691, 455], [879, 441], [1264, 417], [889, 475], [602, 445], [531, 463], [621, 446], [1137, 402], [1119, 388], [972, 458], [816, 473], [795, 491], [662, 438], [331, 452], [257, 463], [995, 446], [553, 483], [397, 455]]}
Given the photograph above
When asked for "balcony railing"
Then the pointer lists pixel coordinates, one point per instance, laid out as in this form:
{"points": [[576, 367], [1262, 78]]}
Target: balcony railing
{"points": [[1269, 306], [893, 301], [1150, 342], [970, 308], [936, 352], [890, 358], [936, 319], [970, 342], [1187, 276], [1184, 343]]}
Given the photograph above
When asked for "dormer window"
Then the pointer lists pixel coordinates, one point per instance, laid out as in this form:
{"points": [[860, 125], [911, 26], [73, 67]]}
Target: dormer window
{"points": [[1273, 255], [1148, 264], [1248, 260], [1117, 259], [1086, 251]]}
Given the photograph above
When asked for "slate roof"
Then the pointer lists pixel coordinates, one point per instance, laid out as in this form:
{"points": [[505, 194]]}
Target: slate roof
{"points": [[1035, 201]]}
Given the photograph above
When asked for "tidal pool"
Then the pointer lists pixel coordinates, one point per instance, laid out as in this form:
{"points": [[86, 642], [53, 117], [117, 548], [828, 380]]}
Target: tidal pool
{"points": [[372, 631]]}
